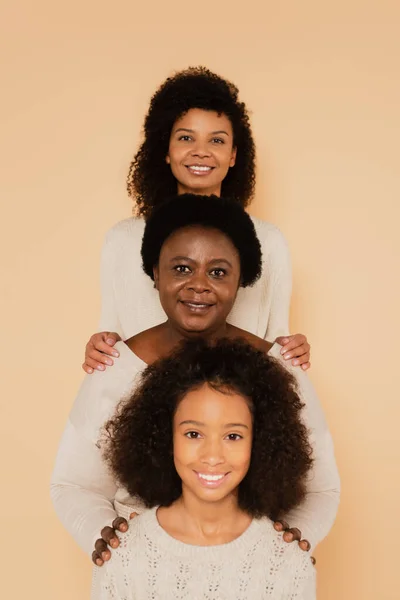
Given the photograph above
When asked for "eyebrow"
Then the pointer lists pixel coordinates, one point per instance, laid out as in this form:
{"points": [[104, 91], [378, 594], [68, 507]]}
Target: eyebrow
{"points": [[200, 424], [192, 131], [214, 260]]}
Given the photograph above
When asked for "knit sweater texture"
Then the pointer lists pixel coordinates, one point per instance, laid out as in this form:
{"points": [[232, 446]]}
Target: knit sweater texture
{"points": [[258, 565]]}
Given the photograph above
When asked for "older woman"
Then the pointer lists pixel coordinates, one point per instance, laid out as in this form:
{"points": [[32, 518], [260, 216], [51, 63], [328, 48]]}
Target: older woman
{"points": [[199, 251]]}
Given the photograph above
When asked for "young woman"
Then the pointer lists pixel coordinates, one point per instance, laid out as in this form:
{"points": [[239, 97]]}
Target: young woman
{"points": [[198, 251], [197, 139], [212, 442]]}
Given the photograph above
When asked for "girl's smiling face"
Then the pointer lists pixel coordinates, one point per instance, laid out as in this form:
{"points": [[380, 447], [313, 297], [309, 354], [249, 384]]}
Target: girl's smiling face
{"points": [[212, 439], [201, 151]]}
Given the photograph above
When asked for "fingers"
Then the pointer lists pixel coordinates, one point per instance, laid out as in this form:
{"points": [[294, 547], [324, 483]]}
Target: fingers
{"points": [[102, 551], [120, 524], [96, 558], [292, 534], [281, 526], [133, 515], [314, 562], [297, 350], [305, 366], [305, 545], [98, 351], [109, 537]]}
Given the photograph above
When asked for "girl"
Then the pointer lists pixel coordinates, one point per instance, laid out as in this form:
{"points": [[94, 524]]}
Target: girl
{"points": [[213, 444], [197, 139], [198, 251]]}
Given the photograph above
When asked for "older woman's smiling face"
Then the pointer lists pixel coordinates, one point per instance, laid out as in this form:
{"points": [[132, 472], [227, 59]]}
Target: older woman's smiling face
{"points": [[198, 276], [201, 151]]}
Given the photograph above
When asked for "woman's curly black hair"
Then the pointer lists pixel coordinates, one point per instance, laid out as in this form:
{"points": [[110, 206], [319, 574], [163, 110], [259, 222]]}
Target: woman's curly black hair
{"points": [[150, 179], [212, 212], [138, 441]]}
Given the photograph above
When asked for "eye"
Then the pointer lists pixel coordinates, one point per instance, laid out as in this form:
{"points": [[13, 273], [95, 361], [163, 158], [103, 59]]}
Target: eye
{"points": [[184, 138], [192, 435], [218, 273], [218, 141], [234, 437], [182, 269]]}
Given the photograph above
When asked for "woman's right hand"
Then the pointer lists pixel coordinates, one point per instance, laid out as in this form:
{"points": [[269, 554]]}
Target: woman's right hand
{"points": [[98, 351], [109, 539]]}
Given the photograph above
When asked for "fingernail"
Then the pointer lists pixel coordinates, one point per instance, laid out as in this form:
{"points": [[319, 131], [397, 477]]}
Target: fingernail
{"points": [[113, 542], [295, 363], [99, 562], [100, 368], [115, 353], [110, 341], [289, 537], [287, 356], [108, 362], [90, 370]]}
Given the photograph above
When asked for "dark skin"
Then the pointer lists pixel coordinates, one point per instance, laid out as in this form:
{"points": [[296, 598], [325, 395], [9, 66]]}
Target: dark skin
{"points": [[198, 276]]}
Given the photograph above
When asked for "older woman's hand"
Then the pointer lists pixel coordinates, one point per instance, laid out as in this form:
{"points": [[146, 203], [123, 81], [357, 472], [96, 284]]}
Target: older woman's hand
{"points": [[98, 351], [292, 534], [295, 348], [109, 540]]}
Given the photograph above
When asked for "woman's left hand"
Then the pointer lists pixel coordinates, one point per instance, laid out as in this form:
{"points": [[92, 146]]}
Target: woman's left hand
{"points": [[291, 535], [297, 348]]}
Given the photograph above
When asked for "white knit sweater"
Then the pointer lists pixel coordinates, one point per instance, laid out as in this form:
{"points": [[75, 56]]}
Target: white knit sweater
{"points": [[258, 565], [130, 304]]}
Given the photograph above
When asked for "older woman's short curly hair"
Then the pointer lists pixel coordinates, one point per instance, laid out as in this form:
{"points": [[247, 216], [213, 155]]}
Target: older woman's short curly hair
{"points": [[211, 212], [138, 441], [150, 179]]}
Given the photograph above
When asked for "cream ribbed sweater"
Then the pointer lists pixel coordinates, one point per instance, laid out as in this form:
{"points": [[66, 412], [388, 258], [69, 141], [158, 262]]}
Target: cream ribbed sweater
{"points": [[130, 304], [258, 565]]}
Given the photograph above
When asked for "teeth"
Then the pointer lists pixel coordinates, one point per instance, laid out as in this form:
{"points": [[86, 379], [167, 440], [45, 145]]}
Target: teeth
{"points": [[203, 168], [196, 305], [210, 477]]}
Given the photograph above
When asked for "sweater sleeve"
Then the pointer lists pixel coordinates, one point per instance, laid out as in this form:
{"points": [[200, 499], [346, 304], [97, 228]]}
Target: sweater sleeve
{"points": [[316, 515], [82, 489], [109, 319], [278, 265]]}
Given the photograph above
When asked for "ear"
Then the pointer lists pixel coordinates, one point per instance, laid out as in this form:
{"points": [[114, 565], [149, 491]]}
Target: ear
{"points": [[233, 157], [156, 276], [167, 159]]}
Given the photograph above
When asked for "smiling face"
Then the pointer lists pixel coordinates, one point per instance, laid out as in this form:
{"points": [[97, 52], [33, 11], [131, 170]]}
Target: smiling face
{"points": [[197, 277], [212, 434], [201, 151]]}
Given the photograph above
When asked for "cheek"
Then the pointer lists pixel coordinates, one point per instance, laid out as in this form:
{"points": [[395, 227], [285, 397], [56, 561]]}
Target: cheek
{"points": [[185, 452]]}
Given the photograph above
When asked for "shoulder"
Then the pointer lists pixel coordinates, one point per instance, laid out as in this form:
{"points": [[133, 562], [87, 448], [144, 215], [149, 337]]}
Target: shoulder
{"points": [[268, 234], [252, 339], [126, 231]]}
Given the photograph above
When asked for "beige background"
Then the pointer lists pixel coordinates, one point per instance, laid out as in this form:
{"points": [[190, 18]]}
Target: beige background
{"points": [[322, 80]]}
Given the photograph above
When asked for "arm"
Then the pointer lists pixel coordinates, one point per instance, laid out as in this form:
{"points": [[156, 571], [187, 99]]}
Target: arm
{"points": [[82, 490], [281, 283], [109, 320], [316, 515]]}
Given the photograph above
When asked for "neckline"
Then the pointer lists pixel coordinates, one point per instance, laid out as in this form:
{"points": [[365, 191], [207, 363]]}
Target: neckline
{"points": [[179, 548]]}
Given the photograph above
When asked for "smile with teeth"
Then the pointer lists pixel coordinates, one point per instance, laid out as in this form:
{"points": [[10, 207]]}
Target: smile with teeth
{"points": [[211, 480], [199, 169], [196, 306]]}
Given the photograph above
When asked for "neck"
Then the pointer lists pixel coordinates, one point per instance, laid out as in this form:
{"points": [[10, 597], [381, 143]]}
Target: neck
{"points": [[207, 519], [173, 334], [212, 191]]}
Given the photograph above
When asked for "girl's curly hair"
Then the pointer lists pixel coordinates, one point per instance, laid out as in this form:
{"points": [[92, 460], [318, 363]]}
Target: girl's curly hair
{"points": [[150, 179], [138, 441], [212, 212]]}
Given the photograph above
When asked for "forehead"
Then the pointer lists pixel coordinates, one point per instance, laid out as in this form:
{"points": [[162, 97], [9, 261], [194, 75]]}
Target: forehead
{"points": [[196, 240], [213, 407], [199, 120]]}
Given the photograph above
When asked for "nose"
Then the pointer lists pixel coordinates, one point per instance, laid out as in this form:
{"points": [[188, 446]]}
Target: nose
{"points": [[212, 452], [201, 149], [199, 283]]}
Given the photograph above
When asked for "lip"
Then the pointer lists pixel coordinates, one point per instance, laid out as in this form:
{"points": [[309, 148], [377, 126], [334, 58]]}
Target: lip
{"points": [[211, 484], [196, 307], [200, 170]]}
